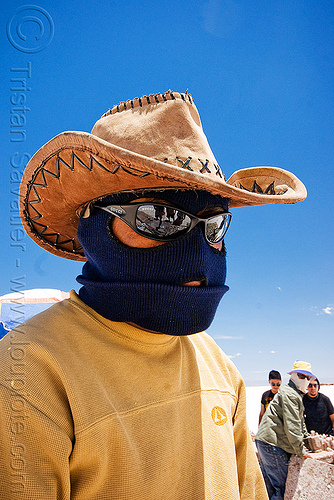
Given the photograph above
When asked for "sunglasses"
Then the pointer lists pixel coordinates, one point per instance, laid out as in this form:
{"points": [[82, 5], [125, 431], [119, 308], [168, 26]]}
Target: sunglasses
{"points": [[165, 223], [302, 376], [275, 385], [312, 385]]}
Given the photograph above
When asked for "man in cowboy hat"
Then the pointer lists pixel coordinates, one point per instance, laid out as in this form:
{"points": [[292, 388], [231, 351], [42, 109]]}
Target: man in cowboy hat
{"points": [[121, 394], [282, 430]]}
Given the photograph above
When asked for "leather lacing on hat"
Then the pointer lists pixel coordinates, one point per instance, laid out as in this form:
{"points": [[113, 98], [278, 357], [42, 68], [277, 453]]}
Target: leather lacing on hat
{"points": [[148, 99]]}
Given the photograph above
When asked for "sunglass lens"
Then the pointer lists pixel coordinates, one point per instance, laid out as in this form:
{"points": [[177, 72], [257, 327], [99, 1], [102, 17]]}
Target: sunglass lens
{"points": [[161, 222], [216, 227]]}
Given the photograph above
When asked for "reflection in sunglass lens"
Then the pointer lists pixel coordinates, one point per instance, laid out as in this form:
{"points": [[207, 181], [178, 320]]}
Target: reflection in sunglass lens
{"points": [[160, 222], [216, 227]]}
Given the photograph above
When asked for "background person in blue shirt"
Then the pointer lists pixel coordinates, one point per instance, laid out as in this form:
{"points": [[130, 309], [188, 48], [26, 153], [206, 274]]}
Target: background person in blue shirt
{"points": [[319, 411]]}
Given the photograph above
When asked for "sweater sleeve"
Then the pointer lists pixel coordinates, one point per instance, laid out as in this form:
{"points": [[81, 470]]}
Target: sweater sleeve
{"points": [[34, 458], [36, 431], [293, 425], [251, 484]]}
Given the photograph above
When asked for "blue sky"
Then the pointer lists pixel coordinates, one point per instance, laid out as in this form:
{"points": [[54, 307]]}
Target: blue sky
{"points": [[261, 75]]}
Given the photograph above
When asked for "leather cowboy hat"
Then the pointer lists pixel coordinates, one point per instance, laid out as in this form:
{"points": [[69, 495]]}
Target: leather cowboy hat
{"points": [[155, 141]]}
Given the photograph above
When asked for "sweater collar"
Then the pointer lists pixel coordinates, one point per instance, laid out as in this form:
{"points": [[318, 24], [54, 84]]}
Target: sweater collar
{"points": [[125, 330]]}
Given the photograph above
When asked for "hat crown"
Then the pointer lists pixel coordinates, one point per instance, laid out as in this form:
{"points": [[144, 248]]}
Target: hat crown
{"points": [[164, 127]]}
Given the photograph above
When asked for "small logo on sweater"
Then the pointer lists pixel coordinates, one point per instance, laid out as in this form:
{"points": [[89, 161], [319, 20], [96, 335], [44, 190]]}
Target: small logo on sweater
{"points": [[218, 415]]}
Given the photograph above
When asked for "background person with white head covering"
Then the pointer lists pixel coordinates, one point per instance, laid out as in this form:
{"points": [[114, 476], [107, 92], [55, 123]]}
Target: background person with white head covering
{"points": [[282, 430]]}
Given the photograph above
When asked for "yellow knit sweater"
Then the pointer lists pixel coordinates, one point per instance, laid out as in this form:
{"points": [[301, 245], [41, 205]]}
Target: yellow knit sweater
{"points": [[93, 409]]}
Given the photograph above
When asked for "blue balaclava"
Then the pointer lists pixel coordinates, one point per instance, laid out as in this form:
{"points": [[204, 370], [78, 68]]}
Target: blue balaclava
{"points": [[144, 285]]}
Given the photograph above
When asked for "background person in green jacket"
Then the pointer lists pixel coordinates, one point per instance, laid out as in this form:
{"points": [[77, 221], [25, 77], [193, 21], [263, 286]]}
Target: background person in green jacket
{"points": [[282, 430]]}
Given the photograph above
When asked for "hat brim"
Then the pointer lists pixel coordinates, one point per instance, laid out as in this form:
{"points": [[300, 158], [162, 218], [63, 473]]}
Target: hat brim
{"points": [[75, 168], [304, 372]]}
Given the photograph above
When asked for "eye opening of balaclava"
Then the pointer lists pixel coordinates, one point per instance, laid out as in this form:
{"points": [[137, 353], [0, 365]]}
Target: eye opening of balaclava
{"points": [[190, 201], [143, 285]]}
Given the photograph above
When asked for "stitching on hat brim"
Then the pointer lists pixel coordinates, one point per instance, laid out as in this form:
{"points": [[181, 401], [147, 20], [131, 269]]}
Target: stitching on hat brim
{"points": [[214, 186]]}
